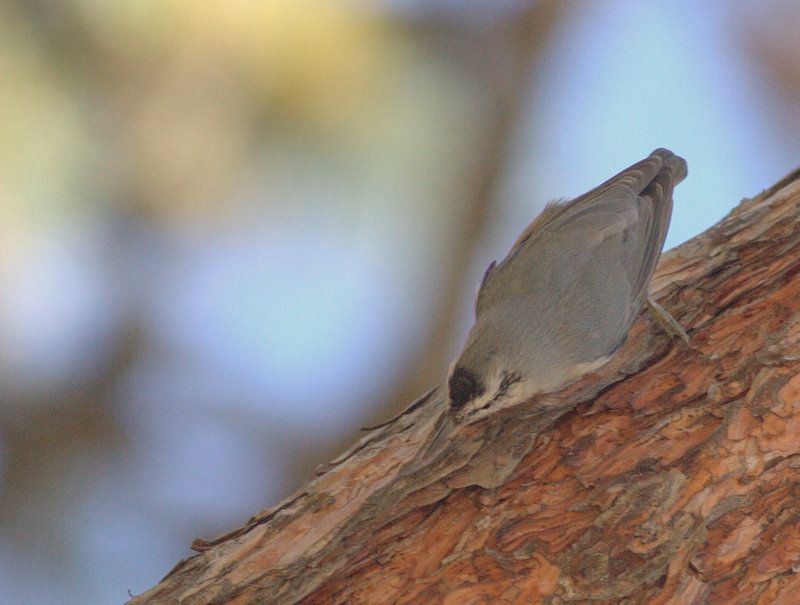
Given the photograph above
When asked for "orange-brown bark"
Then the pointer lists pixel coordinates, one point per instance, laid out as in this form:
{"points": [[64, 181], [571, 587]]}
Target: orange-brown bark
{"points": [[672, 475]]}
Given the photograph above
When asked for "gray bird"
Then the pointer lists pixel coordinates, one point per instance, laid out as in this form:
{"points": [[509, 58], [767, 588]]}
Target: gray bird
{"points": [[561, 303]]}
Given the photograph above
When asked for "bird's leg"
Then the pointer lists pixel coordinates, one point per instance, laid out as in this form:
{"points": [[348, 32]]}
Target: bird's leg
{"points": [[666, 321]]}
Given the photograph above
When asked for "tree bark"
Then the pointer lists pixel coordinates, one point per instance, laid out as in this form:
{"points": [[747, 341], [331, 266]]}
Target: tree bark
{"points": [[671, 475]]}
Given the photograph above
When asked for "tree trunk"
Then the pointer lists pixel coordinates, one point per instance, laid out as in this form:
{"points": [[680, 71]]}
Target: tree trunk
{"points": [[671, 475]]}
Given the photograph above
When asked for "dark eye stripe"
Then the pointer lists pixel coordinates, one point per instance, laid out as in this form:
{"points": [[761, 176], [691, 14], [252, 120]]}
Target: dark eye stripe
{"points": [[464, 386]]}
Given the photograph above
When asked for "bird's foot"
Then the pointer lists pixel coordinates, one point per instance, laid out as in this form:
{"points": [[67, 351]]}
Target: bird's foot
{"points": [[668, 323]]}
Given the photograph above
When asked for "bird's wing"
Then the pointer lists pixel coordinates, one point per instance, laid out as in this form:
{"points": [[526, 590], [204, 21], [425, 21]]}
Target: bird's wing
{"points": [[615, 232]]}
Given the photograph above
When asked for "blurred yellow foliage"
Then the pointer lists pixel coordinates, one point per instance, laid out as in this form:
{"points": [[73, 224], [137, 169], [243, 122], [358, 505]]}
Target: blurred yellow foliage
{"points": [[157, 104], [40, 130], [313, 61]]}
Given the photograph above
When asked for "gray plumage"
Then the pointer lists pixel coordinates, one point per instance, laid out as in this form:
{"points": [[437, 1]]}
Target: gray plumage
{"points": [[561, 303]]}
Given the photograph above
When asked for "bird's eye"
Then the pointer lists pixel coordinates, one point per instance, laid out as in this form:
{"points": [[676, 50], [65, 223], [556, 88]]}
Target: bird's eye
{"points": [[464, 386]]}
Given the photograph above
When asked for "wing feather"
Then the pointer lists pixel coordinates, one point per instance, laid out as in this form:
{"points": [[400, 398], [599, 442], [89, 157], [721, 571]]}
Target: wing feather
{"points": [[622, 221]]}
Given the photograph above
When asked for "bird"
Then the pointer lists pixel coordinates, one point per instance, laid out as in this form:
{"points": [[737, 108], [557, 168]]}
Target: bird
{"points": [[561, 303]]}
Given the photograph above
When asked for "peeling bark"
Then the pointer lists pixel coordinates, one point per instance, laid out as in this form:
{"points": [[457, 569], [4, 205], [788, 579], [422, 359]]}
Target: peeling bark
{"points": [[671, 475]]}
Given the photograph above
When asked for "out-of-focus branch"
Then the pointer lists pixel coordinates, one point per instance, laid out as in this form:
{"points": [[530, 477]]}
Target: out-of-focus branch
{"points": [[500, 59]]}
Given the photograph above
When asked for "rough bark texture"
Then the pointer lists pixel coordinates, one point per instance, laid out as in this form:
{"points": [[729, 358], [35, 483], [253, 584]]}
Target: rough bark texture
{"points": [[672, 475]]}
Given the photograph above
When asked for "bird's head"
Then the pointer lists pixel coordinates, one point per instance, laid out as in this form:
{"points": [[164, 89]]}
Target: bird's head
{"points": [[476, 387]]}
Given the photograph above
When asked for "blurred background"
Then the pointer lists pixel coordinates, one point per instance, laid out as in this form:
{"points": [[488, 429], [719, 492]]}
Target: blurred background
{"points": [[234, 231]]}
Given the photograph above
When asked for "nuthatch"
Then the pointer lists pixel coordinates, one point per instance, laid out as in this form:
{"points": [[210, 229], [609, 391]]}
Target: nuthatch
{"points": [[561, 303]]}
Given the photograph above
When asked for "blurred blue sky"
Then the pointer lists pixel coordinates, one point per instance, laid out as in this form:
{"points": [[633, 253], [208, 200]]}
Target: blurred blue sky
{"points": [[624, 78]]}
